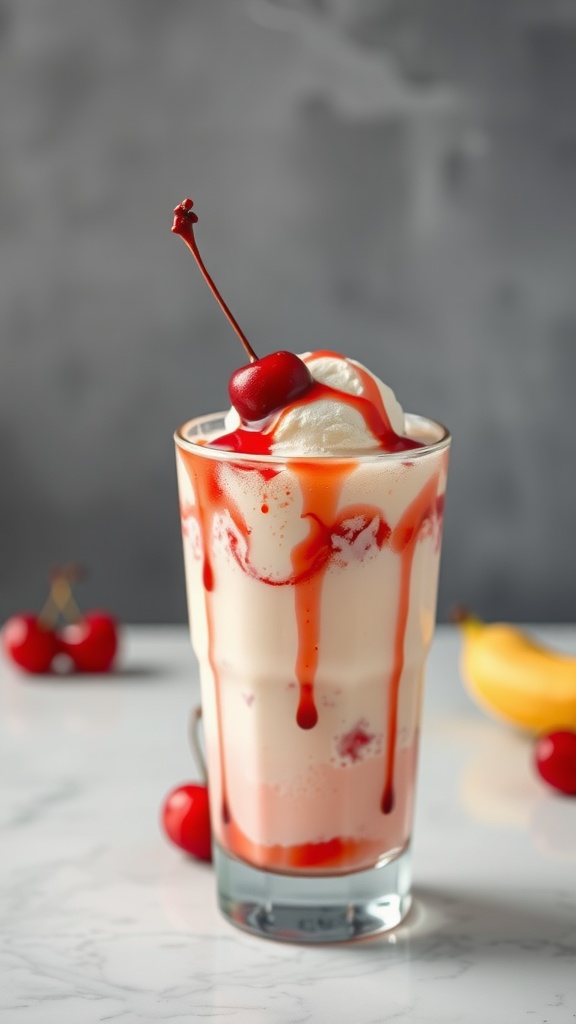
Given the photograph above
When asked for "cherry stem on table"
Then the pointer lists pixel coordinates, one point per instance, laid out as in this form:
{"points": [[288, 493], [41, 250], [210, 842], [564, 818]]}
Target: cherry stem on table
{"points": [[184, 221]]}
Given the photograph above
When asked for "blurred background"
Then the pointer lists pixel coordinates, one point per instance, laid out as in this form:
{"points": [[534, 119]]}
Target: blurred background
{"points": [[394, 179]]}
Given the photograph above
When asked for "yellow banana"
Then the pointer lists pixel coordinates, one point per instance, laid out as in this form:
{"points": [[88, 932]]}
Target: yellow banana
{"points": [[516, 678]]}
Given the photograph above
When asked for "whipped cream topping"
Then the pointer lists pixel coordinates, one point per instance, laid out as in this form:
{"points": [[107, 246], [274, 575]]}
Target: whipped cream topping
{"points": [[327, 425]]}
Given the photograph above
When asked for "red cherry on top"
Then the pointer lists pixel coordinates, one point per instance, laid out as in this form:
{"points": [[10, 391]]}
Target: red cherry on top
{"points": [[268, 384], [91, 643], [555, 759], [186, 820], [29, 643]]}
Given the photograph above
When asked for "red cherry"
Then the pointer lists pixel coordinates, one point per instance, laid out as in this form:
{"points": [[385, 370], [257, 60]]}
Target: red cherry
{"points": [[91, 643], [29, 643], [267, 384], [555, 759], [186, 820]]}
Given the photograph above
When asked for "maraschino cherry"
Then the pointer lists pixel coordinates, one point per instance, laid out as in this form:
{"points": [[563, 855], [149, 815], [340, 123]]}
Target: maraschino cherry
{"points": [[91, 642], [263, 385], [185, 812], [555, 759], [30, 642], [34, 641], [186, 820]]}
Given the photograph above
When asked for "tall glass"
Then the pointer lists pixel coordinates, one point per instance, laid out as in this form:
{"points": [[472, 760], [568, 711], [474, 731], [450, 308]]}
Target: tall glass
{"points": [[312, 593]]}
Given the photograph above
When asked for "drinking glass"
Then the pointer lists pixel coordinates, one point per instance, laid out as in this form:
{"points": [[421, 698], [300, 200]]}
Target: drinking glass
{"points": [[312, 588]]}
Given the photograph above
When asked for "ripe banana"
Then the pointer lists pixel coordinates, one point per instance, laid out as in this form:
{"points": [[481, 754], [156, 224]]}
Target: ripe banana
{"points": [[516, 678]]}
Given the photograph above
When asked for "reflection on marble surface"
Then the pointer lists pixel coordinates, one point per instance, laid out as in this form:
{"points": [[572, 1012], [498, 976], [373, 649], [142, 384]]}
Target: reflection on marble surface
{"points": [[497, 784], [103, 921], [498, 787]]}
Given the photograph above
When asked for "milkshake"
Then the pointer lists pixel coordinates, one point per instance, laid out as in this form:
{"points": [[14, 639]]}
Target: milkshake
{"points": [[312, 537]]}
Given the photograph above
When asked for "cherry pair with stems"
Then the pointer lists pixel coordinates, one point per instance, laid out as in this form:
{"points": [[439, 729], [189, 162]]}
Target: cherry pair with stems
{"points": [[87, 643]]}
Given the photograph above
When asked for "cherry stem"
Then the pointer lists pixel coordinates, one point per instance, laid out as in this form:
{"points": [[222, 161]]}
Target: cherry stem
{"points": [[194, 736], [184, 221], [61, 600], [48, 617]]}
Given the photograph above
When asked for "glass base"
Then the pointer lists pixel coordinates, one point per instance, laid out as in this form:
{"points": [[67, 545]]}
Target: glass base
{"points": [[297, 908]]}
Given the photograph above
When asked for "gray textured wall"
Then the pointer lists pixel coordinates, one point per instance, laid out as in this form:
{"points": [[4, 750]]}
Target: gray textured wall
{"points": [[396, 180]]}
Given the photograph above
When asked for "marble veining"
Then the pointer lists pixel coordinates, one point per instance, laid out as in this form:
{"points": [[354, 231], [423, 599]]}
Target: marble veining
{"points": [[103, 921]]}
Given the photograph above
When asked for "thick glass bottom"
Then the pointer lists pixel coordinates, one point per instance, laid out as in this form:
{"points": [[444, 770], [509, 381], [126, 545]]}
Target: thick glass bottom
{"points": [[296, 908]]}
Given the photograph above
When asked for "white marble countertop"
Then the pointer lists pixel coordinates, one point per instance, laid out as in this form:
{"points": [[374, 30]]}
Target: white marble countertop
{"points": [[102, 920]]}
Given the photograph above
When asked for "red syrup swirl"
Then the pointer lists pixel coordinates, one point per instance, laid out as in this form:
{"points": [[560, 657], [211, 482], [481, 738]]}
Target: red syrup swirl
{"points": [[244, 441], [315, 549], [371, 406], [403, 541]]}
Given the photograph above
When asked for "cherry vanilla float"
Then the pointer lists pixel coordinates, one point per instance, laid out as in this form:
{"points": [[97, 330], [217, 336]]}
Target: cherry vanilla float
{"points": [[312, 521]]}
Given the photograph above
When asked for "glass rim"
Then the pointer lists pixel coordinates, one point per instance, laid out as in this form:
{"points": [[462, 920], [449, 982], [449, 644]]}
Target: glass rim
{"points": [[223, 455]]}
